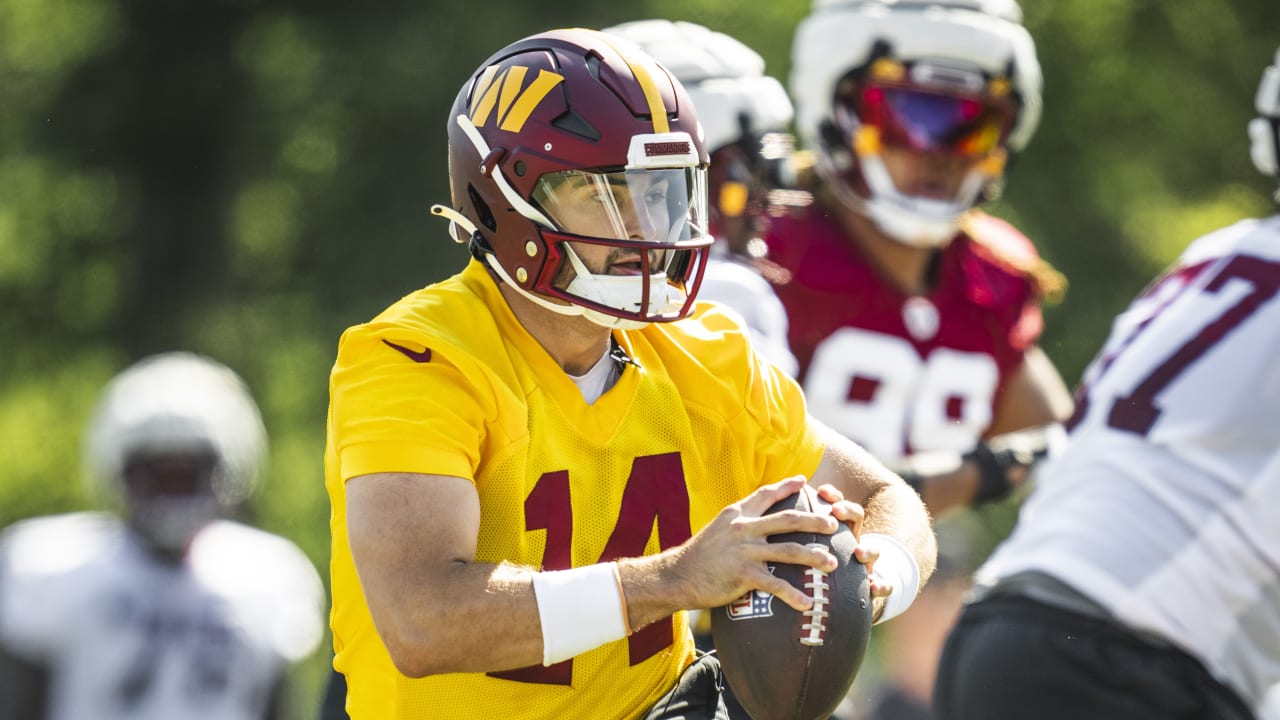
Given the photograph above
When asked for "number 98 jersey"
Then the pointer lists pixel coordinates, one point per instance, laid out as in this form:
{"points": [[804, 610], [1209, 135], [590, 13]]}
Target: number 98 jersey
{"points": [[125, 636], [902, 373]]}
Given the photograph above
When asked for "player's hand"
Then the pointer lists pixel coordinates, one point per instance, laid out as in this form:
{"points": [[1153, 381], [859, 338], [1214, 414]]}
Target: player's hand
{"points": [[853, 515], [731, 555]]}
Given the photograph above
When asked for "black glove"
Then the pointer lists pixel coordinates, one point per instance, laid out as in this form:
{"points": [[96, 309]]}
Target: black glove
{"points": [[993, 470]]}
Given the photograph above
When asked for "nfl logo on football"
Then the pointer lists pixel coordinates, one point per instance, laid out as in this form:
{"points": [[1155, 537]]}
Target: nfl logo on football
{"points": [[754, 604]]}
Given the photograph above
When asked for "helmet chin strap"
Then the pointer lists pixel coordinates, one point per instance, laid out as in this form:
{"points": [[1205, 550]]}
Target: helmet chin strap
{"points": [[601, 288], [594, 316], [456, 220], [623, 291]]}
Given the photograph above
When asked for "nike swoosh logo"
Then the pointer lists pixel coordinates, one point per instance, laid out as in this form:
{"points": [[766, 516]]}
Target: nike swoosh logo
{"points": [[414, 355]]}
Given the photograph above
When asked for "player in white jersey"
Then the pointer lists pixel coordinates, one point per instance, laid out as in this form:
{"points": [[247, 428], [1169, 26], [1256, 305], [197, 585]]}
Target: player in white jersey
{"points": [[164, 610], [1143, 577], [744, 115], [1271, 707]]}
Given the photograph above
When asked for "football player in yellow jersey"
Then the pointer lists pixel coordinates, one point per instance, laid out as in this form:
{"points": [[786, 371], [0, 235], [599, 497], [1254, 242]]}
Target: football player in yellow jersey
{"points": [[538, 464]]}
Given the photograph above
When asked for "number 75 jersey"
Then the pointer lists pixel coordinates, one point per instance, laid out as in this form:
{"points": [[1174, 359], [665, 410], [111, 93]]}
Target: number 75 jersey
{"points": [[124, 636]]}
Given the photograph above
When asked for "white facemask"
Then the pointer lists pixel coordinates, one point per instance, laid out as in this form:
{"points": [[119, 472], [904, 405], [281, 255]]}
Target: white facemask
{"points": [[920, 222], [623, 292]]}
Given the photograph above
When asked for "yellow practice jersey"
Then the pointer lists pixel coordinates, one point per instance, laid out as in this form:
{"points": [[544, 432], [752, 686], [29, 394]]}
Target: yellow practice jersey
{"points": [[447, 382]]}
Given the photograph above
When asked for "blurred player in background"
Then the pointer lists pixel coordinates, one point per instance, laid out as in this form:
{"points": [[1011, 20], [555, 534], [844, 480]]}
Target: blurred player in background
{"points": [[1143, 577], [166, 610], [537, 464], [914, 316], [746, 117]]}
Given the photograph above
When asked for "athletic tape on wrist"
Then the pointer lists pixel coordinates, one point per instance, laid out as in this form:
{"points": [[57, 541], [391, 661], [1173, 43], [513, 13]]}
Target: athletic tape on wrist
{"points": [[579, 610], [898, 566]]}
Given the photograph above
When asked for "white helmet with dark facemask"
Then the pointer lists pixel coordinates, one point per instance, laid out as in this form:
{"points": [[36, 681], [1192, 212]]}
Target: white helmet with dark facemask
{"points": [[943, 76], [1264, 130], [724, 78], [176, 441], [745, 116]]}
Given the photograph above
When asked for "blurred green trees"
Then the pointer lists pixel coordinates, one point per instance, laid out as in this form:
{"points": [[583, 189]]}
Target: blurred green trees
{"points": [[246, 178]]}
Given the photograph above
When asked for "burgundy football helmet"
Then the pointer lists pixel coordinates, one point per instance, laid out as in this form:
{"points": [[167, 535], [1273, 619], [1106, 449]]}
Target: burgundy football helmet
{"points": [[574, 136]]}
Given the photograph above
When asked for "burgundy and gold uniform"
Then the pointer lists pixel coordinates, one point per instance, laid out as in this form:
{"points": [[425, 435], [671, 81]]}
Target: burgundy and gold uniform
{"points": [[904, 373], [448, 382]]}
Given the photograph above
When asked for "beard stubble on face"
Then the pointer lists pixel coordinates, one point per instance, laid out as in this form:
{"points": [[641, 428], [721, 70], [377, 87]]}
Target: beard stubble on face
{"points": [[618, 261]]}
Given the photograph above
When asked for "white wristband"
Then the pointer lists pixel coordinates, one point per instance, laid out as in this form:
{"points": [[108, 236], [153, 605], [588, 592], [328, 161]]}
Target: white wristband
{"points": [[898, 566], [579, 609]]}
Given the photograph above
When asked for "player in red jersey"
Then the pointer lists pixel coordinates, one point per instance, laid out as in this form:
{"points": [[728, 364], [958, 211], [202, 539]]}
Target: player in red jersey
{"points": [[915, 317]]}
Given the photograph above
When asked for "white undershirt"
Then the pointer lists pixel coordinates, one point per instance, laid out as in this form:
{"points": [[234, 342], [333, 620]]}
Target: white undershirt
{"points": [[602, 376]]}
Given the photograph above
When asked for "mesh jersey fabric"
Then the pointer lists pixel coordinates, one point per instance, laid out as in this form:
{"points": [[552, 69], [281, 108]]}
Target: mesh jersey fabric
{"points": [[446, 381]]}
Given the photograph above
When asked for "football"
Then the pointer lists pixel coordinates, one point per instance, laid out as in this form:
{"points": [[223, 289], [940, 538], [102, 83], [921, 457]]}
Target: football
{"points": [[781, 663]]}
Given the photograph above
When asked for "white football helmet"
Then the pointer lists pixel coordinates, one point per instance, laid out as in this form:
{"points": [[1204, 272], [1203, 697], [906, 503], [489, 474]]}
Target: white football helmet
{"points": [[745, 117], [1264, 130], [175, 405], [724, 77], [954, 76]]}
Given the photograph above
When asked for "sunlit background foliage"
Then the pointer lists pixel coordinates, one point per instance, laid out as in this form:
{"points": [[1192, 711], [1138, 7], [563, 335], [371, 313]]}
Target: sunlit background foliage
{"points": [[246, 178]]}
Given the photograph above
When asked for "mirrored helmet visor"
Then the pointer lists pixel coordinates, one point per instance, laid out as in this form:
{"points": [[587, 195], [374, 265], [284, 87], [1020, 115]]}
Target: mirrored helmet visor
{"points": [[962, 125]]}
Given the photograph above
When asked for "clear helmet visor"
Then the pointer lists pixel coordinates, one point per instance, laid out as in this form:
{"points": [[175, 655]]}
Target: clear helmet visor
{"points": [[633, 240], [660, 206]]}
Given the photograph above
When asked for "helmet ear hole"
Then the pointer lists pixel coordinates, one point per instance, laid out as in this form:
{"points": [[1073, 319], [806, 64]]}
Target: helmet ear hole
{"points": [[483, 213]]}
